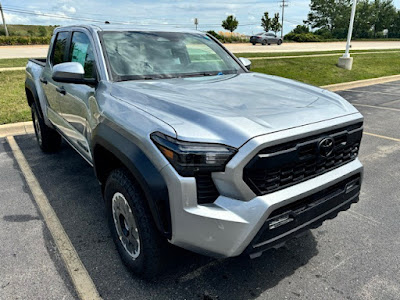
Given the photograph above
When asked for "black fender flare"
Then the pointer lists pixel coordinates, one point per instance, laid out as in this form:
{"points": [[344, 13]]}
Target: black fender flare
{"points": [[30, 85], [142, 169]]}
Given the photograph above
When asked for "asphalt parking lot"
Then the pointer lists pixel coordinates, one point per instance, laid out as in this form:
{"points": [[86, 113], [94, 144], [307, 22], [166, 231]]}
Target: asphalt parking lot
{"points": [[355, 256]]}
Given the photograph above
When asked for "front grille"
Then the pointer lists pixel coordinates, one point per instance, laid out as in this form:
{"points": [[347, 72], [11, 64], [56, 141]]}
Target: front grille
{"points": [[206, 190], [277, 167]]}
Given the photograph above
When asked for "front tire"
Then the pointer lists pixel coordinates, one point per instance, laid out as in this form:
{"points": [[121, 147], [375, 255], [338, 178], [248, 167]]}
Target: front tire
{"points": [[141, 247], [279, 42], [48, 139]]}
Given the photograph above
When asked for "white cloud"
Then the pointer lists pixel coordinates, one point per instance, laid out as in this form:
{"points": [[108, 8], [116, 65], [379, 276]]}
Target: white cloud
{"points": [[68, 9], [15, 19]]}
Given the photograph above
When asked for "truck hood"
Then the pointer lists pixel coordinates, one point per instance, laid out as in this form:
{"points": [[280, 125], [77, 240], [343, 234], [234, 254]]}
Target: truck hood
{"points": [[231, 109]]}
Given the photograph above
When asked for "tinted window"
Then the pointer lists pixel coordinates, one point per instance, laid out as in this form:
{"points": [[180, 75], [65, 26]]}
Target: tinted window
{"points": [[59, 48], [82, 52]]}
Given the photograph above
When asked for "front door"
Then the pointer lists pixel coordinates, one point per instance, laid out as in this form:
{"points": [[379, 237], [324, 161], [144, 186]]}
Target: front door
{"points": [[74, 108]]}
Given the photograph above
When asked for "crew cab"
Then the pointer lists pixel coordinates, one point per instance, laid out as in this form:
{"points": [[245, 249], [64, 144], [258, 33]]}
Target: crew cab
{"points": [[187, 146]]}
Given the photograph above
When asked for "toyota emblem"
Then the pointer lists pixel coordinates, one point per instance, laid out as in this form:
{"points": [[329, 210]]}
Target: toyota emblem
{"points": [[325, 146]]}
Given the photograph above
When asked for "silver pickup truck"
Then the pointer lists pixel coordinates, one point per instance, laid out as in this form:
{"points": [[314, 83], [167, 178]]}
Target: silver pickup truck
{"points": [[189, 146]]}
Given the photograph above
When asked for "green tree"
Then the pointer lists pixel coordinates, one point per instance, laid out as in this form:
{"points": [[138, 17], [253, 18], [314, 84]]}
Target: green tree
{"points": [[266, 22], [230, 23], [301, 29], [395, 31], [383, 15], [275, 25], [362, 21], [333, 15]]}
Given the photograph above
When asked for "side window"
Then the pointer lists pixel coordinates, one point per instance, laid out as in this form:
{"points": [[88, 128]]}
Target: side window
{"points": [[81, 51], [59, 48]]}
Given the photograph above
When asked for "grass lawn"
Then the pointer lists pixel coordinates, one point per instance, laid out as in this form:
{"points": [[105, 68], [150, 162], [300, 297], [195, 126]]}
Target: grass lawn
{"points": [[312, 70], [13, 62], [323, 70], [274, 54], [13, 105]]}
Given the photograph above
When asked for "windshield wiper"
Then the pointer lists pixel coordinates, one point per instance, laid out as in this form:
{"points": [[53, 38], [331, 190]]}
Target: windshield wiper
{"points": [[202, 74]]}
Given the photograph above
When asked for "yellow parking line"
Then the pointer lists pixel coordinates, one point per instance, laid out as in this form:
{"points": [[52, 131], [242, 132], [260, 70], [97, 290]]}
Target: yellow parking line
{"points": [[374, 106], [382, 136], [80, 277]]}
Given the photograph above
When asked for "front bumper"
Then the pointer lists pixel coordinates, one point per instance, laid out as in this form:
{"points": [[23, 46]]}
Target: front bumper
{"points": [[255, 40], [234, 222], [228, 226]]}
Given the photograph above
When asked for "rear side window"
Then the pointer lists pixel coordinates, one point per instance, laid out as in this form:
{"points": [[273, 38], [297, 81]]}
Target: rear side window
{"points": [[59, 48], [82, 52]]}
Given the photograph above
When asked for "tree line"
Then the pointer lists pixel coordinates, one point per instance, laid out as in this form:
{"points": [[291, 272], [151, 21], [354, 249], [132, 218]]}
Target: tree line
{"points": [[273, 24], [329, 19], [231, 24]]}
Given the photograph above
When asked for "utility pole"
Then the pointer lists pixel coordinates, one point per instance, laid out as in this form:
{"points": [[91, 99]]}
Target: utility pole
{"points": [[4, 20], [346, 62], [283, 5]]}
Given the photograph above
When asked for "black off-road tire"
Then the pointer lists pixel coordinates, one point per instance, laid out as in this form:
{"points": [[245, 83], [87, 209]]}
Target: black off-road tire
{"points": [[48, 139], [153, 248]]}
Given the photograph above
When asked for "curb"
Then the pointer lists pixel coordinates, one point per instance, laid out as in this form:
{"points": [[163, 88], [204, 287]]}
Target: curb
{"points": [[360, 83], [12, 69], [16, 129]]}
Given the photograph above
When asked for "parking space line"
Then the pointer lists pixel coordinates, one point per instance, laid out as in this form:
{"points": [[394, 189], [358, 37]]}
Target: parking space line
{"points": [[382, 136], [374, 106], [81, 279]]}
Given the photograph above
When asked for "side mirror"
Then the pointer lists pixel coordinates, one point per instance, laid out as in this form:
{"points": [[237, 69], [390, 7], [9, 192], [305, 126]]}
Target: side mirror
{"points": [[70, 72], [246, 62]]}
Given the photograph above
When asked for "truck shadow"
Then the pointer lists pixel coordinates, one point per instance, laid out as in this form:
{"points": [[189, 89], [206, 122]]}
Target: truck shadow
{"points": [[73, 191]]}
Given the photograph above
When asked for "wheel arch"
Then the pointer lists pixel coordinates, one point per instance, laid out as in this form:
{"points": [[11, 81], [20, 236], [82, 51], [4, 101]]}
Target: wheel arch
{"points": [[112, 150], [32, 96]]}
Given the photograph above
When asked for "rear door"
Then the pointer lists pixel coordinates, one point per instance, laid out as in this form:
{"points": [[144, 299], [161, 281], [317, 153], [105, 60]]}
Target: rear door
{"points": [[78, 98]]}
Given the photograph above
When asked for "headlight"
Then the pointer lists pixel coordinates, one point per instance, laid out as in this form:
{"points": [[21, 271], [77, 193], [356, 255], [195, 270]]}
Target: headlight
{"points": [[189, 158]]}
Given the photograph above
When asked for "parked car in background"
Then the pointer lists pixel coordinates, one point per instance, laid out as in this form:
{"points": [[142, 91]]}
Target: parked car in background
{"points": [[265, 38]]}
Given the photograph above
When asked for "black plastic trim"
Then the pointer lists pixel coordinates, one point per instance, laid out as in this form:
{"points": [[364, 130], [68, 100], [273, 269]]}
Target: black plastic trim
{"points": [[141, 168], [30, 85], [307, 213]]}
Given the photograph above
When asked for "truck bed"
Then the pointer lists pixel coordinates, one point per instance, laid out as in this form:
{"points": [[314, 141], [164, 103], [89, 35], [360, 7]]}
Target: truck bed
{"points": [[39, 61]]}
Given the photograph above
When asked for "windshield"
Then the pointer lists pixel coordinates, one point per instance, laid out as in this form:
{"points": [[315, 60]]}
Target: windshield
{"points": [[156, 55]]}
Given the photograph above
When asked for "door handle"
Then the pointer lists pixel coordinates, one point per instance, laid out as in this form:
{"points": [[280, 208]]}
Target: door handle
{"points": [[42, 80], [61, 90]]}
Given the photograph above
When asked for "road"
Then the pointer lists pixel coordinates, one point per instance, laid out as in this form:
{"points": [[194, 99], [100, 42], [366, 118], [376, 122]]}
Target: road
{"points": [[311, 47], [354, 256], [41, 51]]}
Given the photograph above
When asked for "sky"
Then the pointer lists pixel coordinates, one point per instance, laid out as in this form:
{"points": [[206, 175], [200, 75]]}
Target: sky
{"points": [[180, 13]]}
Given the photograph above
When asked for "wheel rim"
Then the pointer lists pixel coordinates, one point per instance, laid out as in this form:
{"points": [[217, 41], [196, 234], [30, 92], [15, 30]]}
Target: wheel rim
{"points": [[36, 124], [125, 225]]}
